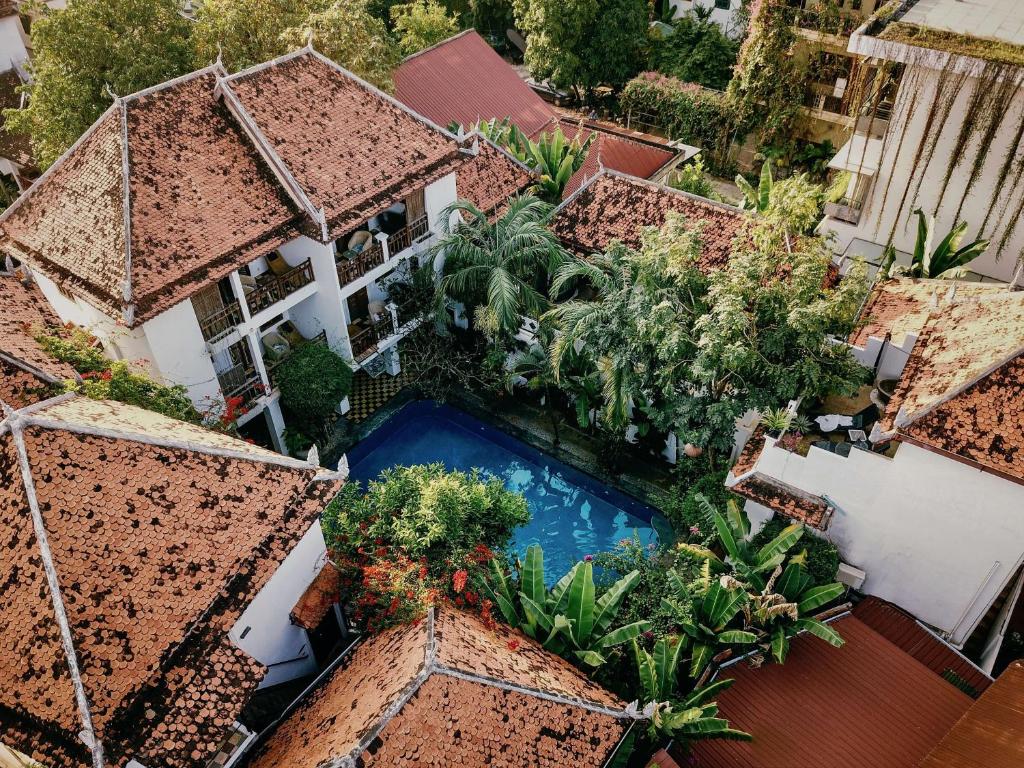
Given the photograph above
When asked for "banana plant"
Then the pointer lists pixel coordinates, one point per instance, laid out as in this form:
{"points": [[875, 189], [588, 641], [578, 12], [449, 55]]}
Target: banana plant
{"points": [[704, 615], [568, 619], [742, 559], [947, 261], [694, 717], [556, 159], [757, 199], [781, 610]]}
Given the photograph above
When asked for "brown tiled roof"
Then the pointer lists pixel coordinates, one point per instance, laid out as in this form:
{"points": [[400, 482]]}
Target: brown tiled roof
{"points": [[616, 207], [450, 692], [865, 705], [319, 597], [352, 150], [903, 630], [902, 305], [491, 178], [751, 452], [785, 499], [960, 392], [201, 202], [26, 368], [143, 530], [991, 733]]}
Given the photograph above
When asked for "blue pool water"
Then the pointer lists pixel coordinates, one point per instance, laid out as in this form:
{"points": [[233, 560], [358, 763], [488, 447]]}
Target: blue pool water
{"points": [[573, 514]]}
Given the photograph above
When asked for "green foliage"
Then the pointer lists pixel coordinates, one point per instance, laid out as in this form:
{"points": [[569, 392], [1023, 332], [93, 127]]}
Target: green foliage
{"points": [[492, 17], [421, 24], [248, 32], [776, 419], [313, 381], [685, 111], [503, 264], [569, 619], [581, 44], [426, 512], [693, 179], [75, 347], [644, 603], [82, 53], [757, 199], [556, 160], [947, 261], [124, 385], [688, 515], [695, 717], [697, 52], [820, 556]]}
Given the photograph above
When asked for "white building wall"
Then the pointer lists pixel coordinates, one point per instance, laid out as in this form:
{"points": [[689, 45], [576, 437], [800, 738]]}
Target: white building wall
{"points": [[179, 354], [724, 17], [13, 43], [900, 159], [321, 311], [264, 630], [934, 535]]}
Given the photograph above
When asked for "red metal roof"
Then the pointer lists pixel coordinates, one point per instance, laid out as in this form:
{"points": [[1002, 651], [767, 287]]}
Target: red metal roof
{"points": [[463, 80], [903, 630], [865, 705], [991, 734]]}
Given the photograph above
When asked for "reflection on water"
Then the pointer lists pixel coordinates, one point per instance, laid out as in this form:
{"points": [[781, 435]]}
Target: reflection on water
{"points": [[567, 521]]}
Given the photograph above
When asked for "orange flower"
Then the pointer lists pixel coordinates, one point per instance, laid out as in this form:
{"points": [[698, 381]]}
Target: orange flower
{"points": [[459, 579]]}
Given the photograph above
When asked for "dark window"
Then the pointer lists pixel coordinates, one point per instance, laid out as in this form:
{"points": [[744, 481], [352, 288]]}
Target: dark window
{"points": [[722, 4]]}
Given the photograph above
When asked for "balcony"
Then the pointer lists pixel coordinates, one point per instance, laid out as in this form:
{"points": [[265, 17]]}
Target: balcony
{"points": [[845, 210], [824, 101], [241, 381], [364, 342], [273, 365], [219, 322], [269, 288], [408, 234], [352, 269]]}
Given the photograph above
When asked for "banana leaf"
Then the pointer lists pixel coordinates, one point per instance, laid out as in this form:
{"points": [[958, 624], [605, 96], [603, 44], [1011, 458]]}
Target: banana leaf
{"points": [[700, 657], [532, 581], [707, 693], [580, 610], [736, 637], [559, 598], [815, 597], [820, 630], [781, 544], [609, 603], [623, 634], [779, 644]]}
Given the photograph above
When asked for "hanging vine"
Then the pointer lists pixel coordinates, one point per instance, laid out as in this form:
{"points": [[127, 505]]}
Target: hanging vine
{"points": [[910, 96], [1004, 171]]}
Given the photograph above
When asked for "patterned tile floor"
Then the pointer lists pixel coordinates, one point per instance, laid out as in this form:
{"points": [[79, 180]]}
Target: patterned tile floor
{"points": [[369, 394]]}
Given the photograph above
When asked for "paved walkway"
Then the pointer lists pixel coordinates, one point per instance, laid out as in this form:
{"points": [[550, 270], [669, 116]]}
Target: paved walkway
{"points": [[369, 394]]}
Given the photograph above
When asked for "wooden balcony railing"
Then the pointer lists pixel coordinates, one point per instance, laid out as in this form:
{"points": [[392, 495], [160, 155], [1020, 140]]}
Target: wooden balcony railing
{"points": [[273, 365], [276, 287], [365, 342], [353, 269], [241, 381], [404, 237], [220, 322]]}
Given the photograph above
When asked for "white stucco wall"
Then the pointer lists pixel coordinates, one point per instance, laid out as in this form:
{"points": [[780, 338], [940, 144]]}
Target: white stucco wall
{"points": [[934, 535], [13, 48], [322, 311], [270, 637], [900, 158], [180, 356], [725, 18]]}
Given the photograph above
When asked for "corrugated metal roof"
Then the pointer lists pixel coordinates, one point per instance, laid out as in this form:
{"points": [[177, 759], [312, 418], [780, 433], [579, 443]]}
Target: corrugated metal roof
{"points": [[991, 734], [865, 705], [901, 629]]}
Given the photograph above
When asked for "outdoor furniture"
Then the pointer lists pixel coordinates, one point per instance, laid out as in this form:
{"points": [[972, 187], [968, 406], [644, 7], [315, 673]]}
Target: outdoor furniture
{"points": [[857, 435], [360, 241], [832, 422], [275, 345], [277, 264]]}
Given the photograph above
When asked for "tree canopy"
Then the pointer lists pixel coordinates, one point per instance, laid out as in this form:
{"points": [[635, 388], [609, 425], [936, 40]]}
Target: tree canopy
{"points": [[421, 24], [83, 54]]}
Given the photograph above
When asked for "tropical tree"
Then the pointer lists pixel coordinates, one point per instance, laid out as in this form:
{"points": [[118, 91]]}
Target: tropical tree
{"points": [[501, 264], [247, 32], [534, 365], [568, 619], [757, 199], [556, 159], [84, 54], [421, 24], [692, 717], [947, 261]]}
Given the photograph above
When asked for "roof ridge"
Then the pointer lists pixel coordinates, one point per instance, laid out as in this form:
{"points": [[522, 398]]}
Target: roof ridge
{"points": [[28, 367], [194, 74], [447, 40], [88, 734], [678, 192], [29, 416], [126, 212], [502, 150]]}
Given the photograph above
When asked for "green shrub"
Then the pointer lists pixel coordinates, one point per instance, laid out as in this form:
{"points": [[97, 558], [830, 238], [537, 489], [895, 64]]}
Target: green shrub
{"points": [[686, 514], [313, 381], [685, 111], [124, 385], [693, 179], [699, 52], [76, 348], [822, 555]]}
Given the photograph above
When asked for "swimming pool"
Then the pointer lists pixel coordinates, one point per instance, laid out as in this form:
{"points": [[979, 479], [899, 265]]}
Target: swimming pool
{"points": [[573, 514]]}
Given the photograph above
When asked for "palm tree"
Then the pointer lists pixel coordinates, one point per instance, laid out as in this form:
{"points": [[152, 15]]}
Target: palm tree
{"points": [[597, 326], [502, 264], [947, 262], [534, 365]]}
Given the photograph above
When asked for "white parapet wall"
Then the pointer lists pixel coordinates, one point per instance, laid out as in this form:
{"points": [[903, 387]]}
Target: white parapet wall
{"points": [[934, 535]]}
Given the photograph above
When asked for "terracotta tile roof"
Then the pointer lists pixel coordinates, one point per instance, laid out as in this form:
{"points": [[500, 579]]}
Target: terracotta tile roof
{"points": [[960, 392], [450, 693], [903, 305], [616, 207], [318, 598], [353, 151], [787, 500], [751, 452], [143, 533], [201, 203], [491, 178], [902, 630], [865, 705], [26, 367], [991, 733], [463, 80]]}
